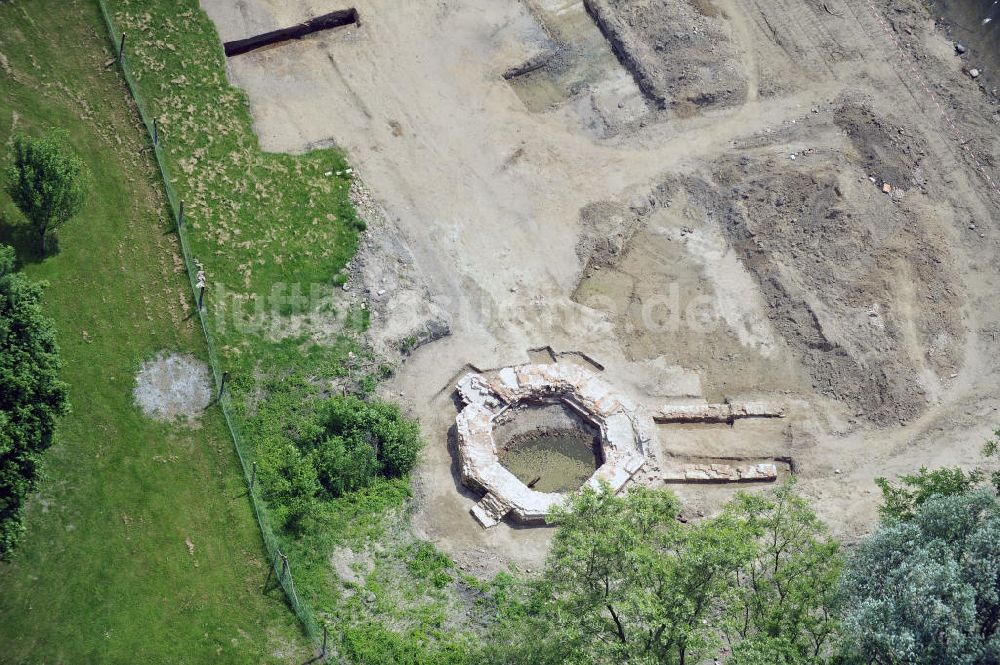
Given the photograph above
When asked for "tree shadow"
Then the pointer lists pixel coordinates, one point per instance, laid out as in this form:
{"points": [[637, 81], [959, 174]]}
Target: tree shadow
{"points": [[19, 235]]}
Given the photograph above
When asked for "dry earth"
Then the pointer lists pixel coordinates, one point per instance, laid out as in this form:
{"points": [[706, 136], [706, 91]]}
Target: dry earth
{"points": [[750, 198], [173, 387]]}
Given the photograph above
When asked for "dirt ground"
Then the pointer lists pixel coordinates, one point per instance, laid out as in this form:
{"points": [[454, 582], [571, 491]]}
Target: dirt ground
{"points": [[173, 387], [708, 199]]}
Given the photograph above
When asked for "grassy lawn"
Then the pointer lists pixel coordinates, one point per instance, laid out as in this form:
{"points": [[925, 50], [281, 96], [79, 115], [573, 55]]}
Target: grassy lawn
{"points": [[268, 228], [105, 573], [264, 226]]}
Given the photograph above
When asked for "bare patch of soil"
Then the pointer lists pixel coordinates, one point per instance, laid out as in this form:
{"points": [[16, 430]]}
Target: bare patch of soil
{"points": [[173, 387], [811, 216], [680, 53]]}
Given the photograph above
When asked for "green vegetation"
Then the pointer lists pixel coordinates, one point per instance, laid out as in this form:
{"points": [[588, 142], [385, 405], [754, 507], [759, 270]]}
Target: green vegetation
{"points": [[141, 545], [340, 448], [104, 573], [257, 218], [786, 594], [901, 502], [925, 587], [627, 582], [272, 234], [47, 182], [926, 590], [31, 394]]}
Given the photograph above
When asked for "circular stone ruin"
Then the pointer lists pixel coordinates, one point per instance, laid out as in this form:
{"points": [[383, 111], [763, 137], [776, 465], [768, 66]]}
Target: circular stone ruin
{"points": [[557, 423]]}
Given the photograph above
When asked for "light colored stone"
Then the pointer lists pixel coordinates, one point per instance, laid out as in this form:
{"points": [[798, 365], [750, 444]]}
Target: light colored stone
{"points": [[765, 472], [757, 409], [487, 397], [618, 432], [719, 473], [509, 378], [490, 510], [473, 389], [717, 413]]}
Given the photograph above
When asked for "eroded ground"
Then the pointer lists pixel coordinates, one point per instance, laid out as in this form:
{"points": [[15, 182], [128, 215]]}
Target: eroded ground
{"points": [[709, 200]]}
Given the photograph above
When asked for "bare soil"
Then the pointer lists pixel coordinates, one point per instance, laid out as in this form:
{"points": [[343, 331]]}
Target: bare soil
{"points": [[173, 388], [723, 198]]}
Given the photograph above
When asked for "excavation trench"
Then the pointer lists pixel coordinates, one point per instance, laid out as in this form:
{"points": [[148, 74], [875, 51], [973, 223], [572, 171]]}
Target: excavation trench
{"points": [[619, 47], [336, 19]]}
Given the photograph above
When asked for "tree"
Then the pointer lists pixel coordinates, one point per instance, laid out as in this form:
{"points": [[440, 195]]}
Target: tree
{"points": [[991, 449], [927, 589], [31, 394], [47, 182], [625, 581], [901, 502], [786, 593]]}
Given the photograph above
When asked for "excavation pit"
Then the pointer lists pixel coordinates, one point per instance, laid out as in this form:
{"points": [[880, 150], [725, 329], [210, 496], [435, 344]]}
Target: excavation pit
{"points": [[548, 447], [556, 423]]}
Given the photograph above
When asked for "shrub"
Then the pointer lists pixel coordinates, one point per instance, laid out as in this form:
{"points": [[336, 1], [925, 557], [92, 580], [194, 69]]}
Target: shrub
{"points": [[361, 439], [344, 446], [344, 466], [901, 502], [289, 481]]}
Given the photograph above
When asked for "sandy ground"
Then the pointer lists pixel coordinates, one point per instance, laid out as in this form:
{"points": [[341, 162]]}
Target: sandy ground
{"points": [[723, 231]]}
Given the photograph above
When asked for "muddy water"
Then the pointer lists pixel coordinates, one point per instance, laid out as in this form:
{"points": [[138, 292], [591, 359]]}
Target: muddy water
{"points": [[586, 59], [560, 461], [976, 25]]}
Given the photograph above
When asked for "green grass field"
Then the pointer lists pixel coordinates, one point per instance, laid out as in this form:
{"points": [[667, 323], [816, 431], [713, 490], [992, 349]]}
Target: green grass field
{"points": [[108, 537], [105, 573]]}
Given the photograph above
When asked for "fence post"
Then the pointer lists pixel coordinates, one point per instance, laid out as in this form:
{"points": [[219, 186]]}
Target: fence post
{"points": [[201, 301], [180, 216], [284, 565], [121, 50], [225, 375], [253, 477], [156, 134]]}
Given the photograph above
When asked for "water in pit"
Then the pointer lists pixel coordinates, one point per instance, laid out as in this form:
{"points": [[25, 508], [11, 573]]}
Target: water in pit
{"points": [[555, 461]]}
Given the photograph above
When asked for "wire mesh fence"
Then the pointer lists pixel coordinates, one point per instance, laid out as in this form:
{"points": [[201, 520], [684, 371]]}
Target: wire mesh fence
{"points": [[280, 565]]}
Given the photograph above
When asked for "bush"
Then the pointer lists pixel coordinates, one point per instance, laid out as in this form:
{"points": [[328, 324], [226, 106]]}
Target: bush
{"points": [[289, 481], [344, 447], [901, 502], [357, 440]]}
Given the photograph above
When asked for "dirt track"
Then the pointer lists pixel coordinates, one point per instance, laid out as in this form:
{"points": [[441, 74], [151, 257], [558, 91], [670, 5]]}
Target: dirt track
{"points": [[710, 221]]}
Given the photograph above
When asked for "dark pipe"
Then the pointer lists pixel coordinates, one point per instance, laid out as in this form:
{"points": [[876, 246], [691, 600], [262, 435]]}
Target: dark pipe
{"points": [[324, 22]]}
